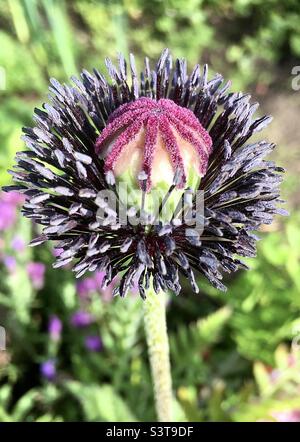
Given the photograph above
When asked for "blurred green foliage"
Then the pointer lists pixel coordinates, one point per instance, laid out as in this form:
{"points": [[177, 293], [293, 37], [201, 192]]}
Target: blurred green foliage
{"points": [[231, 357]]}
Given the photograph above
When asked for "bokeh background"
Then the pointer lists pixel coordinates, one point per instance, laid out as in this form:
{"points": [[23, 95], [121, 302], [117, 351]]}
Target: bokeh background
{"points": [[73, 352]]}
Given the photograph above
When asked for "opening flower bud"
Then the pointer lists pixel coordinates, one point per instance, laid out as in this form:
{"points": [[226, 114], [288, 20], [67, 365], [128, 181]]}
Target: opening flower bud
{"points": [[158, 138]]}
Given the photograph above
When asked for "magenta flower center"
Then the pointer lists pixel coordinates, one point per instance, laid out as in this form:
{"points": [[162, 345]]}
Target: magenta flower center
{"points": [[156, 137]]}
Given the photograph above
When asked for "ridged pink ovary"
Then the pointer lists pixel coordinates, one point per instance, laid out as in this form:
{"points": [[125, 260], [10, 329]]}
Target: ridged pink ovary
{"points": [[160, 120]]}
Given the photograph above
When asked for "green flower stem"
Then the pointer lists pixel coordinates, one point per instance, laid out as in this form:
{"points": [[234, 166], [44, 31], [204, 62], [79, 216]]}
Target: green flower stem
{"points": [[158, 348]]}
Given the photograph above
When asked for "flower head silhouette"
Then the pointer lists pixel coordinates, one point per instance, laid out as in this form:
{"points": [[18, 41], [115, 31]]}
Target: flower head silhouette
{"points": [[163, 127]]}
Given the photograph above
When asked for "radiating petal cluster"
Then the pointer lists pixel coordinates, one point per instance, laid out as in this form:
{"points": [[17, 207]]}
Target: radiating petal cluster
{"points": [[61, 173], [145, 130]]}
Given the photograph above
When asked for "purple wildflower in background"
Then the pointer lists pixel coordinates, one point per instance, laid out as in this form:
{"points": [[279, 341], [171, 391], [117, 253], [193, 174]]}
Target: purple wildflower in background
{"points": [[55, 328], [36, 273], [7, 215], [13, 198], [18, 244], [85, 287], [287, 415], [48, 370], [93, 343], [81, 319], [8, 205], [10, 263]]}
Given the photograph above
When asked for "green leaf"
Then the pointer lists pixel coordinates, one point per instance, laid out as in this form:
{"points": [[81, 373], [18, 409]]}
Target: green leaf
{"points": [[58, 19], [101, 403], [24, 405], [209, 328]]}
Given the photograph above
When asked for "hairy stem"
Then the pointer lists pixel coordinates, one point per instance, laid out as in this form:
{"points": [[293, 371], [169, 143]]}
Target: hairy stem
{"points": [[158, 349]]}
